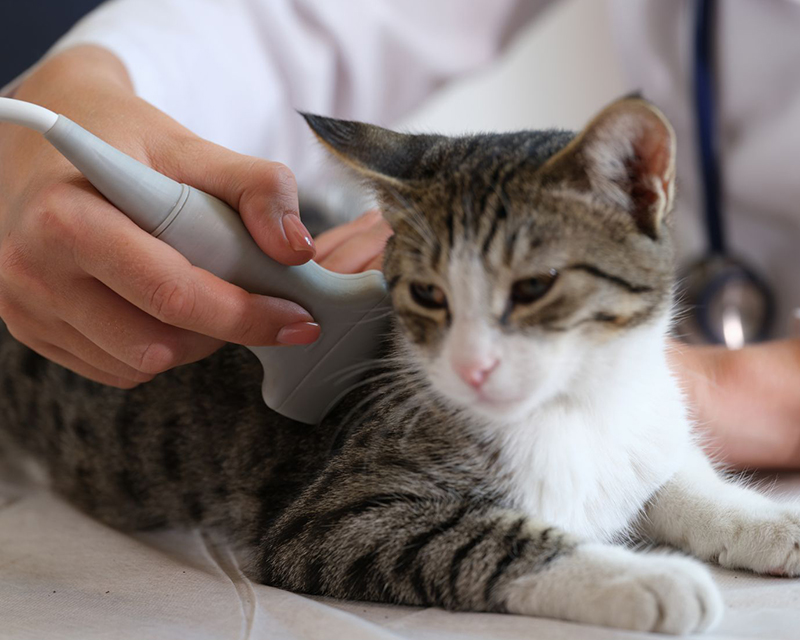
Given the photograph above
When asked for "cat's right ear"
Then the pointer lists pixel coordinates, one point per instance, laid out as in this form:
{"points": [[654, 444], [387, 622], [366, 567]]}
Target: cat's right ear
{"points": [[625, 155], [376, 153]]}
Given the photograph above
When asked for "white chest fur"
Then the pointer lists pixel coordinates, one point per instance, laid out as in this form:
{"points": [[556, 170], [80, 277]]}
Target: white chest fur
{"points": [[587, 462]]}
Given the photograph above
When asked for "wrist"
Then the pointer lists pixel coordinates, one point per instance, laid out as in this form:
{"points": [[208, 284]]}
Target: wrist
{"points": [[91, 86], [64, 81]]}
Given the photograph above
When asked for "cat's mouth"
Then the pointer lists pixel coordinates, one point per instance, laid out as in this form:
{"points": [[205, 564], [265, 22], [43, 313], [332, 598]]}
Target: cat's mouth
{"points": [[495, 403]]}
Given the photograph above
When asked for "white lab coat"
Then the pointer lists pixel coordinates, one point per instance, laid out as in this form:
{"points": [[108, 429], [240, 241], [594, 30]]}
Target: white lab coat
{"points": [[234, 71]]}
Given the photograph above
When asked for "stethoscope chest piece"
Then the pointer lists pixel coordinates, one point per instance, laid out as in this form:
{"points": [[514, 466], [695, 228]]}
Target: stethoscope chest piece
{"points": [[731, 304]]}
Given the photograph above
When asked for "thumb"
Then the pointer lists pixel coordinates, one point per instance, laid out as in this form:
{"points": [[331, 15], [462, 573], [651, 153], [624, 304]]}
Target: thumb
{"points": [[263, 192]]}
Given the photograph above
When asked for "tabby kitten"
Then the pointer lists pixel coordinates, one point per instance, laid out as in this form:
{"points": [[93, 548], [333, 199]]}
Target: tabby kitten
{"points": [[521, 419]]}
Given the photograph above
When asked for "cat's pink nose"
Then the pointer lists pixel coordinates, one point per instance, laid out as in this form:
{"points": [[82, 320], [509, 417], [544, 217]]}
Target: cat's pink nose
{"points": [[476, 372]]}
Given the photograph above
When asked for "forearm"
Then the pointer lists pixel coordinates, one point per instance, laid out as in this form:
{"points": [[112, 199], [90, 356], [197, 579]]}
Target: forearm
{"points": [[89, 64], [91, 86]]}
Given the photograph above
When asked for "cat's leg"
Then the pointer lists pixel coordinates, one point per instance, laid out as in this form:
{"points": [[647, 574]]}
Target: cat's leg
{"points": [[701, 513], [401, 549]]}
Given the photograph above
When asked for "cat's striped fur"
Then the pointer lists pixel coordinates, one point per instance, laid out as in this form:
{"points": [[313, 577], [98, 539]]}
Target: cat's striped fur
{"points": [[415, 490]]}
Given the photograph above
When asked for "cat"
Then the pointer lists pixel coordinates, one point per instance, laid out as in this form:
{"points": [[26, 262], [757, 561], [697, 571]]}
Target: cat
{"points": [[519, 425]]}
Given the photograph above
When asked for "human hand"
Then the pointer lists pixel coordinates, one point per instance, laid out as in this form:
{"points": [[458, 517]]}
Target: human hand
{"points": [[746, 402], [356, 246], [83, 285]]}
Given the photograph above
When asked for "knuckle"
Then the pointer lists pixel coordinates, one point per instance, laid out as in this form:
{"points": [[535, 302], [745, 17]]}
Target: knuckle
{"points": [[52, 196], [248, 331], [26, 274], [174, 302], [51, 219], [157, 357], [14, 259], [280, 177], [242, 324]]}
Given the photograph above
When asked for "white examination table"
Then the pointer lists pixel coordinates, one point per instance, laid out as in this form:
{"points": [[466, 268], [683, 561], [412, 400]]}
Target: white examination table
{"points": [[63, 575]]}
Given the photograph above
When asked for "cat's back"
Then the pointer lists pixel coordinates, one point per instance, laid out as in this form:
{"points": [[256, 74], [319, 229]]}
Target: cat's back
{"points": [[194, 445]]}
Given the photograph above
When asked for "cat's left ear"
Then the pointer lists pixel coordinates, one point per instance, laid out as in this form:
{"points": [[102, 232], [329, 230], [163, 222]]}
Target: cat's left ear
{"points": [[376, 153], [627, 155]]}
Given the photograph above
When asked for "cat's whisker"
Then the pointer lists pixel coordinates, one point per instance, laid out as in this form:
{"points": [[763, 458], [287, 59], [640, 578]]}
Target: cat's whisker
{"points": [[370, 380], [383, 395], [389, 313], [380, 317], [354, 370], [350, 374], [381, 389], [401, 409], [377, 363], [409, 427], [415, 392]]}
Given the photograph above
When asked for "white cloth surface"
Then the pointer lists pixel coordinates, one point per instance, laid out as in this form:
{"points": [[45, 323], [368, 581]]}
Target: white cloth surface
{"points": [[64, 576]]}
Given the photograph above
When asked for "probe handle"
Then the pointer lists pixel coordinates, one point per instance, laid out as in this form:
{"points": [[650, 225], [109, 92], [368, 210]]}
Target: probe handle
{"points": [[300, 382], [204, 229]]}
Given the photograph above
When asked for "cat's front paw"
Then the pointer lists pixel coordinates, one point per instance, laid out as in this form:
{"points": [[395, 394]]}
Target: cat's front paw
{"points": [[614, 587], [764, 541]]}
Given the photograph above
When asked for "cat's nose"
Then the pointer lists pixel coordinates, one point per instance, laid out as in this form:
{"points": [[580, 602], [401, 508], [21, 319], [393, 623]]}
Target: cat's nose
{"points": [[476, 372]]}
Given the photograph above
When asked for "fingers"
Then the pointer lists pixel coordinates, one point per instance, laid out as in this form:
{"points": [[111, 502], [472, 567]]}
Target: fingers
{"points": [[107, 339], [129, 335], [376, 263], [331, 239], [263, 192], [360, 250], [158, 280], [74, 351], [76, 365]]}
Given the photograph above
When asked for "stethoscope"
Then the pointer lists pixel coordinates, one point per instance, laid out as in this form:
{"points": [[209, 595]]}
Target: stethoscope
{"points": [[732, 305]]}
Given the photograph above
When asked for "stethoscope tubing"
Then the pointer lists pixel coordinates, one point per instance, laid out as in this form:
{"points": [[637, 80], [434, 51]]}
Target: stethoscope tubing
{"points": [[706, 109], [718, 272]]}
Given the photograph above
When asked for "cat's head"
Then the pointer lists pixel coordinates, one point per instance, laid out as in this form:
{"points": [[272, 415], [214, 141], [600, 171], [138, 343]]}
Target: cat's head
{"points": [[516, 257]]}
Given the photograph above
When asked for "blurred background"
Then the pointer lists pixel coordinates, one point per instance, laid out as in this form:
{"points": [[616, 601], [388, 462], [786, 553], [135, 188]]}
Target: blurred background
{"points": [[507, 96], [36, 24], [543, 81]]}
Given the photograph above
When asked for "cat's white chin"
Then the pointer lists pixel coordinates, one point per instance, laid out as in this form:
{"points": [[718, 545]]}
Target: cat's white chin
{"points": [[499, 408]]}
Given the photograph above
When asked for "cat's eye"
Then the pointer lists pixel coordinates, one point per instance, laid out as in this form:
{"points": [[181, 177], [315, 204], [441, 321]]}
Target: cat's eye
{"points": [[428, 295], [530, 290]]}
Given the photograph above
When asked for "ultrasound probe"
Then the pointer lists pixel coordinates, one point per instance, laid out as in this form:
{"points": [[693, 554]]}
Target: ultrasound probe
{"points": [[300, 382]]}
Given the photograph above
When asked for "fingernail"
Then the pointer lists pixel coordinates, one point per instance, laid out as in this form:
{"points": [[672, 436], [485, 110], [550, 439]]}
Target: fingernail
{"points": [[296, 233], [298, 333]]}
